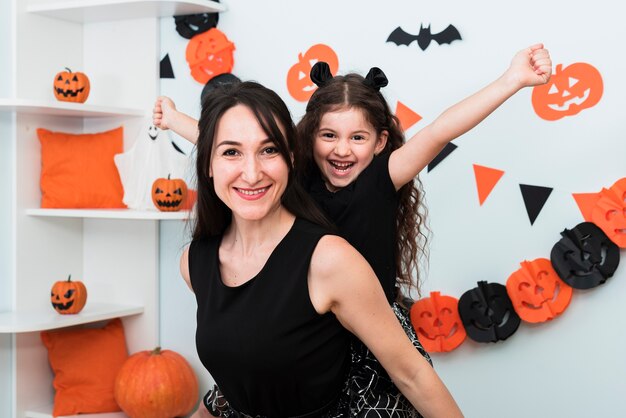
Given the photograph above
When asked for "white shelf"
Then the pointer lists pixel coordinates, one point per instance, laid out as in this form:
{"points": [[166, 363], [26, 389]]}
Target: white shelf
{"points": [[47, 318], [109, 214], [82, 11], [46, 412], [40, 107]]}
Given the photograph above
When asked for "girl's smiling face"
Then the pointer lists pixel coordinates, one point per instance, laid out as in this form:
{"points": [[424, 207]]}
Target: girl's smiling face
{"points": [[345, 144], [249, 173]]}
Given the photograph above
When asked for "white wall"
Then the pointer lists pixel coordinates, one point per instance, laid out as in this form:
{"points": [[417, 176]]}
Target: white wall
{"points": [[572, 366]]}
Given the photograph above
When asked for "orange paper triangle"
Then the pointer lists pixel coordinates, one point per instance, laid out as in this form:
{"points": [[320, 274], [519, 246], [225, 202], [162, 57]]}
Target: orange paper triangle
{"points": [[407, 117], [586, 202], [486, 179]]}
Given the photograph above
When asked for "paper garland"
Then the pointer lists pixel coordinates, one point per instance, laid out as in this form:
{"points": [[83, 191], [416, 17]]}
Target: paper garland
{"points": [[541, 290]]}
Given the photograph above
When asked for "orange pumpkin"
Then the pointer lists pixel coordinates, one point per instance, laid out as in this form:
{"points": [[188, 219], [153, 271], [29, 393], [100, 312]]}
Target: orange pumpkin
{"points": [[437, 323], [156, 384], [537, 292], [209, 54], [570, 90], [169, 195], [71, 87], [299, 81], [68, 297], [609, 212]]}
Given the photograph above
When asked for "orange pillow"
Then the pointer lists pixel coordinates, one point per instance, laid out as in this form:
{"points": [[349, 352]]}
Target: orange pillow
{"points": [[78, 171], [85, 362]]}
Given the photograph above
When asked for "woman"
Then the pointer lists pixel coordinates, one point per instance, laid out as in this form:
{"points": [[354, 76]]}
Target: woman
{"points": [[276, 292]]}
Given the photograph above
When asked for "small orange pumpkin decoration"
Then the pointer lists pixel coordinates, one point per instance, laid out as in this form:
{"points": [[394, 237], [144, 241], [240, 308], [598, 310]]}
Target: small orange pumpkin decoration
{"points": [[209, 54], [68, 297], [537, 292], [299, 81], [609, 212], [570, 90], [169, 195], [156, 384], [71, 87], [437, 323]]}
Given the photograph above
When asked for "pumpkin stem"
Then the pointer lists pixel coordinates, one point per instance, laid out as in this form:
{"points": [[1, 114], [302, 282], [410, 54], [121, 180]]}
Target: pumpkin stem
{"points": [[168, 175], [68, 70], [69, 277], [156, 351]]}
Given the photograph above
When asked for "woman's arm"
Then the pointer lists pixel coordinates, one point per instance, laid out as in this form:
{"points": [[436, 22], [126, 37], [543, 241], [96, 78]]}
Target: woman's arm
{"points": [[184, 267], [341, 281], [166, 116], [529, 67]]}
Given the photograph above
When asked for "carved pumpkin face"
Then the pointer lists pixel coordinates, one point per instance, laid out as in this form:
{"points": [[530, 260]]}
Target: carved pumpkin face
{"points": [[585, 257], [537, 292], [209, 54], [487, 313], [609, 212], [299, 81], [68, 297], [169, 195], [570, 90], [71, 87], [437, 323]]}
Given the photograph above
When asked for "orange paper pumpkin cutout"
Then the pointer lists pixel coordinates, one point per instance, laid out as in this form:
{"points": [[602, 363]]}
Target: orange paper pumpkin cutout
{"points": [[299, 81], [437, 323], [537, 292], [609, 212], [209, 54], [570, 90]]}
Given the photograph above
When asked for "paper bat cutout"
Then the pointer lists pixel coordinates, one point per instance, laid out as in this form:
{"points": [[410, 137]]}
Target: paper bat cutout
{"points": [[424, 37]]}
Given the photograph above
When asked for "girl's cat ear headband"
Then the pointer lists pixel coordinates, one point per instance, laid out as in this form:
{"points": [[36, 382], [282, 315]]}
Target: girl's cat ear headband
{"points": [[320, 75]]}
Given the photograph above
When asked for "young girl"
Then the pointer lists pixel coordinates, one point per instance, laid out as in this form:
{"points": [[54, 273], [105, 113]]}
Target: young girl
{"points": [[353, 161]]}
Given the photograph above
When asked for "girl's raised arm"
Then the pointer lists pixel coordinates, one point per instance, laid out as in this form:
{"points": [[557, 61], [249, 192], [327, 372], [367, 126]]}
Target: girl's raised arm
{"points": [[529, 67], [341, 281], [166, 116]]}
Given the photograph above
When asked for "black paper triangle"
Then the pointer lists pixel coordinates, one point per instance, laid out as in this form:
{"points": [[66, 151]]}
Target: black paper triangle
{"points": [[534, 199], [166, 70], [447, 150]]}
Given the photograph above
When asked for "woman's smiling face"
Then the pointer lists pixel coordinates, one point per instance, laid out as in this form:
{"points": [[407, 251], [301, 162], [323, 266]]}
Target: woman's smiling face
{"points": [[249, 173]]}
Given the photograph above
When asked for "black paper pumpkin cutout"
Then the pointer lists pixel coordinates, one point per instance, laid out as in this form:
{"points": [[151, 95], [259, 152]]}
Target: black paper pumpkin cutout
{"points": [[189, 26], [487, 313], [585, 257]]}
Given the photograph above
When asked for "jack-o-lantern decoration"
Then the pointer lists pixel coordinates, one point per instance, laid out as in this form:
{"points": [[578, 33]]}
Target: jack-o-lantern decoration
{"points": [[437, 323], [209, 54], [609, 212], [585, 257], [570, 90], [487, 313], [68, 297], [299, 81], [156, 384], [537, 292], [71, 87], [168, 195]]}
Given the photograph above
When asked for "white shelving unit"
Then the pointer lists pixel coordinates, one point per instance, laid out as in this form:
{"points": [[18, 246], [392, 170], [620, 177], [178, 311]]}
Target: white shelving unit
{"points": [[109, 214], [47, 318], [116, 43], [86, 11]]}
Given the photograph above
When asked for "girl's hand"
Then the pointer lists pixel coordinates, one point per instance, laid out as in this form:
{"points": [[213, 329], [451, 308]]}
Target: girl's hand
{"points": [[162, 112], [531, 66]]}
